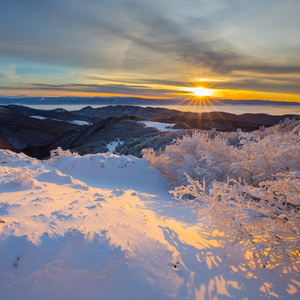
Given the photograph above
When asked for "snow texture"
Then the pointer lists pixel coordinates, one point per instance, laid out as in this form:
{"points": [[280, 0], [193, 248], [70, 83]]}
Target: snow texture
{"points": [[104, 227]]}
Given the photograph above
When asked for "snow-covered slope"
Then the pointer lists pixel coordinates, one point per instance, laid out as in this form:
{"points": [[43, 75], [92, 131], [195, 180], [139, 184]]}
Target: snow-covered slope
{"points": [[105, 227]]}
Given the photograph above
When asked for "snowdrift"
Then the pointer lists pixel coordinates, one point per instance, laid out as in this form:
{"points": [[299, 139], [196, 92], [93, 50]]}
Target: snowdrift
{"points": [[105, 227]]}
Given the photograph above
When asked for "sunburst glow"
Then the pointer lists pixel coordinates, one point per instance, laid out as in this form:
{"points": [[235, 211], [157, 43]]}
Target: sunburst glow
{"points": [[202, 91]]}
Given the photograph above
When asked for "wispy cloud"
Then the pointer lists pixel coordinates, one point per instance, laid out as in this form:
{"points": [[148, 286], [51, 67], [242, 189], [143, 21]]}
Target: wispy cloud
{"points": [[166, 40], [103, 89]]}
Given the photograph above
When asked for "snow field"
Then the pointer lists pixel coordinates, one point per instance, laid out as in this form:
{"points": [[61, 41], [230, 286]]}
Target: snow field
{"points": [[104, 227], [112, 145], [159, 125]]}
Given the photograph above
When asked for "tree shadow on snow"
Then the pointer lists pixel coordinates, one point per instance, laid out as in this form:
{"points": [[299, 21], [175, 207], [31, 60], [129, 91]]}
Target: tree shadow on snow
{"points": [[208, 274]]}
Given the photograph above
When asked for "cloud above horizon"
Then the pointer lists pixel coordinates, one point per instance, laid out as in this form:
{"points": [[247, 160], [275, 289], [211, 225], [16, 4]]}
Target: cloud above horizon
{"points": [[130, 41]]}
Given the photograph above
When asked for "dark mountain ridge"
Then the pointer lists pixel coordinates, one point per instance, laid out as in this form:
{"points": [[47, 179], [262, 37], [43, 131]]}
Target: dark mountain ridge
{"points": [[21, 131], [119, 125], [56, 114], [219, 120]]}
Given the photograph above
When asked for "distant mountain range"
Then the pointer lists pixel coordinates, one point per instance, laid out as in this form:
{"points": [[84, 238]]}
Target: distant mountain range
{"points": [[36, 132], [128, 101]]}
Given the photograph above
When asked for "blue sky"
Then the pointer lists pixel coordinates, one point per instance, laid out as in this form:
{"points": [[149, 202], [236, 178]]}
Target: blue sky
{"points": [[150, 48]]}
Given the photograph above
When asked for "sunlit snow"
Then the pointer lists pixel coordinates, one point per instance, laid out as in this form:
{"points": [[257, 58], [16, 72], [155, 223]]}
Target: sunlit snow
{"points": [[104, 227]]}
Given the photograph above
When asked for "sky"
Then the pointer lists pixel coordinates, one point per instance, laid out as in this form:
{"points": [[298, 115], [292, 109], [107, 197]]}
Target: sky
{"points": [[155, 49]]}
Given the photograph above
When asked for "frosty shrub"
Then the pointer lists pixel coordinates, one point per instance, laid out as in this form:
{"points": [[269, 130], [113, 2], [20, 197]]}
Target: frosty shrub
{"points": [[254, 159], [22, 177], [60, 152], [56, 154], [198, 155], [266, 217], [252, 188], [259, 159]]}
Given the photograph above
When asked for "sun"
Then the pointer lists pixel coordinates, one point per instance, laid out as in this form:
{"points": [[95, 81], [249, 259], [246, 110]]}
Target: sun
{"points": [[202, 91]]}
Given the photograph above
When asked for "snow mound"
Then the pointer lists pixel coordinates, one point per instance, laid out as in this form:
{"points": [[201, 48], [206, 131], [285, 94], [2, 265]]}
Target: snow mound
{"points": [[104, 227], [110, 170]]}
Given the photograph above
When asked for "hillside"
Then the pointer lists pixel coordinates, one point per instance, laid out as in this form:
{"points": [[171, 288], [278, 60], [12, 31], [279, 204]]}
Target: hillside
{"points": [[120, 129], [59, 114], [105, 227], [4, 145], [21, 131], [219, 120]]}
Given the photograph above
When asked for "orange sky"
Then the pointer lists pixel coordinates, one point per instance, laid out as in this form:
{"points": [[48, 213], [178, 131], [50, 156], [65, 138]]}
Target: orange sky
{"points": [[153, 49]]}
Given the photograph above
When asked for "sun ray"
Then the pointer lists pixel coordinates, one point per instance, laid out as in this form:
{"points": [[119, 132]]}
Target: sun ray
{"points": [[200, 94], [201, 91]]}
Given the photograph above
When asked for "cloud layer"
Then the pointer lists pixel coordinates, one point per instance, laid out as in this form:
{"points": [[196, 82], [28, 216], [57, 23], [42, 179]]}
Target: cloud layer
{"points": [[163, 42]]}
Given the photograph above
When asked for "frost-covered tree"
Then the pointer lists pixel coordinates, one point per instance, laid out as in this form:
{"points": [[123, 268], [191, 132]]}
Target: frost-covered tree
{"points": [[198, 155], [258, 159], [266, 217], [254, 159], [251, 189]]}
